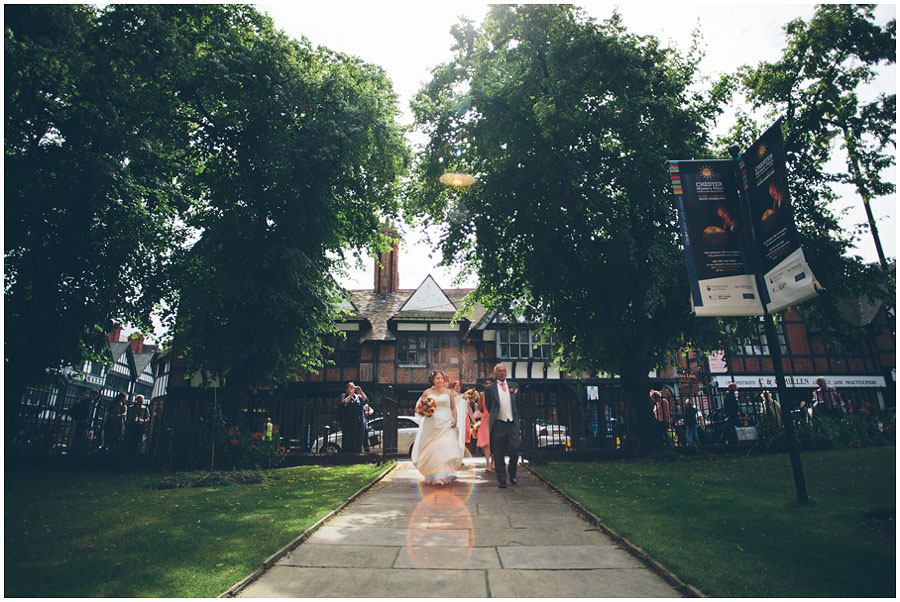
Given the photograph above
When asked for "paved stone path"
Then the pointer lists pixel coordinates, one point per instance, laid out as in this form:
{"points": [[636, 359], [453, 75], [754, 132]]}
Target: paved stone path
{"points": [[467, 540]]}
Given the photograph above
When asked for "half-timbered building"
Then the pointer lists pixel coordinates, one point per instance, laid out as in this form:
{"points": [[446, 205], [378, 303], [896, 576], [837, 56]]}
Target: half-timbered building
{"points": [[392, 338]]}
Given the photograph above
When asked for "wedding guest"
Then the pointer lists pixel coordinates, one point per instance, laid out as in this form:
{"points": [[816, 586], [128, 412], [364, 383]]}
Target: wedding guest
{"points": [[732, 411], [828, 401], [484, 431], [690, 424], [136, 421], [456, 387], [352, 419], [114, 423]]}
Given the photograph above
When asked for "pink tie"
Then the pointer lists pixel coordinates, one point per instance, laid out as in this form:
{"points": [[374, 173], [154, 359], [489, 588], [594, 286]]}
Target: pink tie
{"points": [[503, 384]]}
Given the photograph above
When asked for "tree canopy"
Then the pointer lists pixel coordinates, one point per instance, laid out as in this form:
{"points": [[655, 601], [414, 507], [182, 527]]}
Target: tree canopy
{"points": [[566, 123], [90, 195], [136, 130], [816, 85], [298, 154]]}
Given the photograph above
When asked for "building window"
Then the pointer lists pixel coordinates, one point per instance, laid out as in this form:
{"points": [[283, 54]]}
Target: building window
{"points": [[346, 350], [521, 343], [756, 345], [412, 349], [427, 349], [117, 383]]}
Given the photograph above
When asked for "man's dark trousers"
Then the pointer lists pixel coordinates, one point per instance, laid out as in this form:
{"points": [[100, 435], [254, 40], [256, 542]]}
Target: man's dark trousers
{"points": [[505, 440]]}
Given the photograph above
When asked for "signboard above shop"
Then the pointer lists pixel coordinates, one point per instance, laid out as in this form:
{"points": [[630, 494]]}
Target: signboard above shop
{"points": [[804, 382]]}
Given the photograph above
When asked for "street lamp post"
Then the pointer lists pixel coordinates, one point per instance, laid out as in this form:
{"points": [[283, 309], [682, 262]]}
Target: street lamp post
{"points": [[787, 404]]}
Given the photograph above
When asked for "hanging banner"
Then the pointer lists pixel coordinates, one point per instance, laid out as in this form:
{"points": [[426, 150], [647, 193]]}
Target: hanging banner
{"points": [[716, 241], [789, 280]]}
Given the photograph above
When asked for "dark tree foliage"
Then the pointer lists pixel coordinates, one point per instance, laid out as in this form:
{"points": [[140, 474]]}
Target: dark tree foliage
{"points": [[566, 124], [298, 153], [90, 200], [188, 154]]}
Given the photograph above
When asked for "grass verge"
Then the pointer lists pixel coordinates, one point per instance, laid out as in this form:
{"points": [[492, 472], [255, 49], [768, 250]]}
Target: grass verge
{"points": [[732, 526], [105, 534]]}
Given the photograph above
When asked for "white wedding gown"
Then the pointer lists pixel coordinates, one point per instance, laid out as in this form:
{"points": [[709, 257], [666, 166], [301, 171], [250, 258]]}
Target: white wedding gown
{"points": [[438, 449]]}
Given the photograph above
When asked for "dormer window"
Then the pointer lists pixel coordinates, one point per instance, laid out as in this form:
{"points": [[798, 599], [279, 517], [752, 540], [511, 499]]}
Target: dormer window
{"points": [[521, 343]]}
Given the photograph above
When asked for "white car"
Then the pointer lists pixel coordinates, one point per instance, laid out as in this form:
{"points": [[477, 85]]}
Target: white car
{"points": [[407, 427], [551, 435]]}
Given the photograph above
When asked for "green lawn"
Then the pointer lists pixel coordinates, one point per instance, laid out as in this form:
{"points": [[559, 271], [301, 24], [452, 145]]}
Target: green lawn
{"points": [[93, 533], [732, 526]]}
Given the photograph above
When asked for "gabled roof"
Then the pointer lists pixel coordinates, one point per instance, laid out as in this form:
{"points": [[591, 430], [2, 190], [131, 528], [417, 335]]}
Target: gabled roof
{"points": [[142, 360], [379, 311], [859, 312], [348, 306], [117, 349], [428, 301]]}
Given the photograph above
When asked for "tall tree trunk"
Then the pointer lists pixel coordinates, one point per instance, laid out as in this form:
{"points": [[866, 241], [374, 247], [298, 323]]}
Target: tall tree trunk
{"points": [[636, 386], [232, 396]]}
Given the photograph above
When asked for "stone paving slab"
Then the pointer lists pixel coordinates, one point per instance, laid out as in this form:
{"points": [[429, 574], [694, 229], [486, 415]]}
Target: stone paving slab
{"points": [[567, 557], [291, 582], [493, 509], [365, 521], [360, 557], [469, 522], [448, 558], [378, 536], [552, 521], [595, 583], [427, 510], [539, 537]]}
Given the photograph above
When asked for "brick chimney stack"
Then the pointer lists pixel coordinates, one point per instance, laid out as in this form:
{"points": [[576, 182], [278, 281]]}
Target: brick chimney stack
{"points": [[137, 343], [387, 274], [115, 335]]}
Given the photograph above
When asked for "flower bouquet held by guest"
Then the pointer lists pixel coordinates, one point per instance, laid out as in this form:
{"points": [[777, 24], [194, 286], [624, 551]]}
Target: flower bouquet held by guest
{"points": [[472, 399], [437, 451]]}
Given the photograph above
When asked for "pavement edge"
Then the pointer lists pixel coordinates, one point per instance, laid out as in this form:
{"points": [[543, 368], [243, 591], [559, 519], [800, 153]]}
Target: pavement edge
{"points": [[232, 591], [685, 588]]}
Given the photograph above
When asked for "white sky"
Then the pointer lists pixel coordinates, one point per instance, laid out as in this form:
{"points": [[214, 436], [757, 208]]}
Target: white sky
{"points": [[407, 39]]}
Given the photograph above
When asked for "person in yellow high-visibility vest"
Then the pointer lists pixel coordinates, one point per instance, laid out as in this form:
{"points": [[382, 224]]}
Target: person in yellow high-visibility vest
{"points": [[270, 429]]}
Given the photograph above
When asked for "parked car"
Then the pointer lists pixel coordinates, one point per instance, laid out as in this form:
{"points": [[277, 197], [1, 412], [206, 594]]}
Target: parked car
{"points": [[551, 435], [407, 426]]}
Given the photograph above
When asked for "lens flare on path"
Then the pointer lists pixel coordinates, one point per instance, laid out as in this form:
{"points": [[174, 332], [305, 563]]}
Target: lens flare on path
{"points": [[440, 533]]}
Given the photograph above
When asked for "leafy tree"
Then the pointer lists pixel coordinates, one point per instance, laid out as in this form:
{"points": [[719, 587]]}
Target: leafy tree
{"points": [[815, 85], [90, 202], [298, 153], [566, 124]]}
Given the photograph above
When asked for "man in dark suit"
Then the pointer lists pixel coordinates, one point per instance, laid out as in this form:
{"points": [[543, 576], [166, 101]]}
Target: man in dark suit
{"points": [[501, 399]]}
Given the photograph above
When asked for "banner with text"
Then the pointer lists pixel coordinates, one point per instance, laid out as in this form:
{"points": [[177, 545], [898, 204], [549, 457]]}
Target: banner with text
{"points": [[789, 280], [716, 241]]}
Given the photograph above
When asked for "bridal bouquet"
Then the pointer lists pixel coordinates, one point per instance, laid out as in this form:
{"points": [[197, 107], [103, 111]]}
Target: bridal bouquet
{"points": [[471, 394], [425, 407]]}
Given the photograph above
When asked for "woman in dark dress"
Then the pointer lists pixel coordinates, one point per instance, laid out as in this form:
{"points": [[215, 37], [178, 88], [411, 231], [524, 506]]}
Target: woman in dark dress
{"points": [[352, 419], [114, 422]]}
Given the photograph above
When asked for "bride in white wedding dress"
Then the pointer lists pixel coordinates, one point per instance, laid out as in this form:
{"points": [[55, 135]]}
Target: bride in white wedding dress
{"points": [[437, 451]]}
